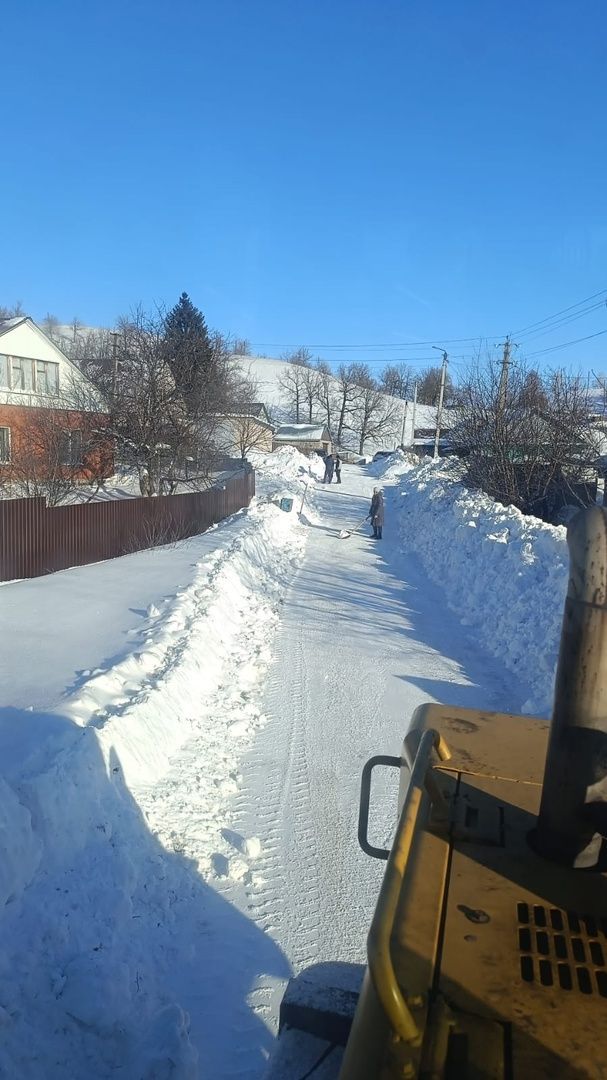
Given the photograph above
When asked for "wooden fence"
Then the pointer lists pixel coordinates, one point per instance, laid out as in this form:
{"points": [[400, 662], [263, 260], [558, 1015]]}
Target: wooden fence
{"points": [[36, 539]]}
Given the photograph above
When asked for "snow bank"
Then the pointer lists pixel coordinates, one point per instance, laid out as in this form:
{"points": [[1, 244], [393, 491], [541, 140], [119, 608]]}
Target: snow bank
{"points": [[103, 918], [288, 473], [503, 573], [390, 468], [287, 464]]}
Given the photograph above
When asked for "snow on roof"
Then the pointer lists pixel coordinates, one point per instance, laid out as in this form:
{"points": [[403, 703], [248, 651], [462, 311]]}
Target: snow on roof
{"points": [[9, 324], [302, 432], [254, 408]]}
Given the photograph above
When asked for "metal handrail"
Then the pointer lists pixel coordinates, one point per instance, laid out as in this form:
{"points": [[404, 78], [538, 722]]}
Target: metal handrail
{"points": [[379, 955]]}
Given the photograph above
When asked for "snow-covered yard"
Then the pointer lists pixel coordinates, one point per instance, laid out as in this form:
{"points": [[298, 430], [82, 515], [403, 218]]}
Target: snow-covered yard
{"points": [[182, 738]]}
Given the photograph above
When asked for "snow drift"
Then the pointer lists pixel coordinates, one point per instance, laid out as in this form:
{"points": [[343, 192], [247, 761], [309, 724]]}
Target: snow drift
{"points": [[504, 574], [99, 906]]}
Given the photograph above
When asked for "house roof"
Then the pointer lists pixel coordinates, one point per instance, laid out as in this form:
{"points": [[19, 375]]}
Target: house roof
{"points": [[302, 433], [10, 324], [244, 414], [256, 409]]}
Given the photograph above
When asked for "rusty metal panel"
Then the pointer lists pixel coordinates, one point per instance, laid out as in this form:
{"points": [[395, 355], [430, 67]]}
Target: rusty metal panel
{"points": [[36, 539]]}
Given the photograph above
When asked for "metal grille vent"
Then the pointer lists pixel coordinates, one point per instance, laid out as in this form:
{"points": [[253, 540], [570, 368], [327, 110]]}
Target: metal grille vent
{"points": [[562, 949]]}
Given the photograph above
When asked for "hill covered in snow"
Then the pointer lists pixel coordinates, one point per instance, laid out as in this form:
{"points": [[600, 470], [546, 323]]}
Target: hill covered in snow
{"points": [[266, 373]]}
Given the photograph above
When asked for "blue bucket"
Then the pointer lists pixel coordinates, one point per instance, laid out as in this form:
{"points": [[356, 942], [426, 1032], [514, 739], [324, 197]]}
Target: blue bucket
{"points": [[286, 505]]}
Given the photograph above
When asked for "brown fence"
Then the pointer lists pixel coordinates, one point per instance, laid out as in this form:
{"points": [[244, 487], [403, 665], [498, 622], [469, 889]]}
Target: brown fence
{"points": [[36, 539]]}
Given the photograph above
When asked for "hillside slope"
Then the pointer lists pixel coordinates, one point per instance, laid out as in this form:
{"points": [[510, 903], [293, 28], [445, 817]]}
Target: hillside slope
{"points": [[266, 372]]}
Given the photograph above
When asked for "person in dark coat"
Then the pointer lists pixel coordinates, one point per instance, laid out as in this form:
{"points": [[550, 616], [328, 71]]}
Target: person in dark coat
{"points": [[329, 466], [376, 513], [338, 468]]}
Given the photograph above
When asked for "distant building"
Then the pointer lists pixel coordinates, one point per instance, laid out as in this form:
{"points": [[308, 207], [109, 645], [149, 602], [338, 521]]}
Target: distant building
{"points": [[424, 440], [307, 438], [48, 409], [244, 428]]}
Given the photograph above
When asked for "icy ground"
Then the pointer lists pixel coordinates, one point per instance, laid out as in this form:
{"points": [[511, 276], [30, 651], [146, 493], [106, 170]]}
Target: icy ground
{"points": [[181, 749]]}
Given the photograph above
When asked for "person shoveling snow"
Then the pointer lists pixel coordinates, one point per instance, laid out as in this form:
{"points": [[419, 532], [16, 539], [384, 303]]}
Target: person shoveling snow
{"points": [[349, 532], [376, 513]]}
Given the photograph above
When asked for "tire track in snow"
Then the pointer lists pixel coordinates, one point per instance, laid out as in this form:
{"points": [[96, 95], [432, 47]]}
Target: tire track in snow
{"points": [[279, 768]]}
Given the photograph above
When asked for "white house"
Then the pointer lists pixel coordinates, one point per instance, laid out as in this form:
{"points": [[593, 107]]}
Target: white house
{"points": [[39, 382]]}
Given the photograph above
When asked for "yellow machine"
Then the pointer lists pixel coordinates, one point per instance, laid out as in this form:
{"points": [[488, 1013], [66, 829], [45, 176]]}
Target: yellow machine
{"points": [[487, 954]]}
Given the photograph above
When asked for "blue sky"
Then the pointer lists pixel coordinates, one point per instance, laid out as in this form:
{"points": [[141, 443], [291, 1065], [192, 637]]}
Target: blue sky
{"points": [[335, 172]]}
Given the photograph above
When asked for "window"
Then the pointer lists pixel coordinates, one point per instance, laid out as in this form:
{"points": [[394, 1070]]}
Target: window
{"points": [[47, 377], [21, 373], [70, 448], [5, 445]]}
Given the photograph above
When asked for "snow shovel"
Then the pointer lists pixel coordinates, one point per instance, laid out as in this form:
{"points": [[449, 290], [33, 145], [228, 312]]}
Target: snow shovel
{"points": [[345, 533]]}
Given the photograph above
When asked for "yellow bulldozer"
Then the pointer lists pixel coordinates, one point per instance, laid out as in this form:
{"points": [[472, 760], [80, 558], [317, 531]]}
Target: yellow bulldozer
{"points": [[487, 952]]}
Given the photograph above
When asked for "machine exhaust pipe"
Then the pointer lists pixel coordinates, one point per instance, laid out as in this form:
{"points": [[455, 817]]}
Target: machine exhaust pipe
{"points": [[572, 822]]}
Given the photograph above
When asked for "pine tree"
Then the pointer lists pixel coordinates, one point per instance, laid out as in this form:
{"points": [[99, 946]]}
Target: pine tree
{"points": [[188, 346]]}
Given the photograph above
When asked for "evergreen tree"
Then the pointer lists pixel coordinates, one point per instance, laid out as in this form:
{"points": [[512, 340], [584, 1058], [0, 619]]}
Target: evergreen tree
{"points": [[188, 345]]}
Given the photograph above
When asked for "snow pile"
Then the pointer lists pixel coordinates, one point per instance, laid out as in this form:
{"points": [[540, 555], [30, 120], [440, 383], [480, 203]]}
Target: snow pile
{"points": [[391, 467], [503, 573], [287, 473], [286, 464], [106, 852]]}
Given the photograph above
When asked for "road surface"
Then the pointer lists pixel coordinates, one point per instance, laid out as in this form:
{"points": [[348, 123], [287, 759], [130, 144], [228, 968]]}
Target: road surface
{"points": [[363, 639]]}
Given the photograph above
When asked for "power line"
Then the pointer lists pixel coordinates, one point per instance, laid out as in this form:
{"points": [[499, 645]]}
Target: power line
{"points": [[533, 330], [542, 331], [564, 344], [572, 307], [430, 361], [378, 345]]}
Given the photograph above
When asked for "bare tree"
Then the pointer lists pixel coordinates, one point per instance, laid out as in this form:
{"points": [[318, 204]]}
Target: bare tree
{"points": [[311, 380], [301, 356], [249, 434], [428, 387], [533, 394], [241, 347], [12, 311], [347, 391], [292, 381], [374, 417], [55, 448], [93, 349], [50, 324], [398, 380], [158, 429], [326, 393], [531, 445]]}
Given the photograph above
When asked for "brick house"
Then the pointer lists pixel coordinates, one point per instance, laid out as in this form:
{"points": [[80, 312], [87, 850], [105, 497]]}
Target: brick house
{"points": [[51, 417]]}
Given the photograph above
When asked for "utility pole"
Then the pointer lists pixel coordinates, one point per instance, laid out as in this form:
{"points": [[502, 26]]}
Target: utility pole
{"points": [[503, 386], [114, 336], [413, 416], [402, 435], [441, 394]]}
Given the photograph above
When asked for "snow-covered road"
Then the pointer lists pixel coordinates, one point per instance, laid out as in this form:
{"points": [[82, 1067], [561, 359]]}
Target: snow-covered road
{"points": [[363, 639], [180, 767]]}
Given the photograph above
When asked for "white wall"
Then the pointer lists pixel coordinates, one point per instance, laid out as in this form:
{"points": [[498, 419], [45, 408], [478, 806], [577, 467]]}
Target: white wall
{"points": [[28, 341]]}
